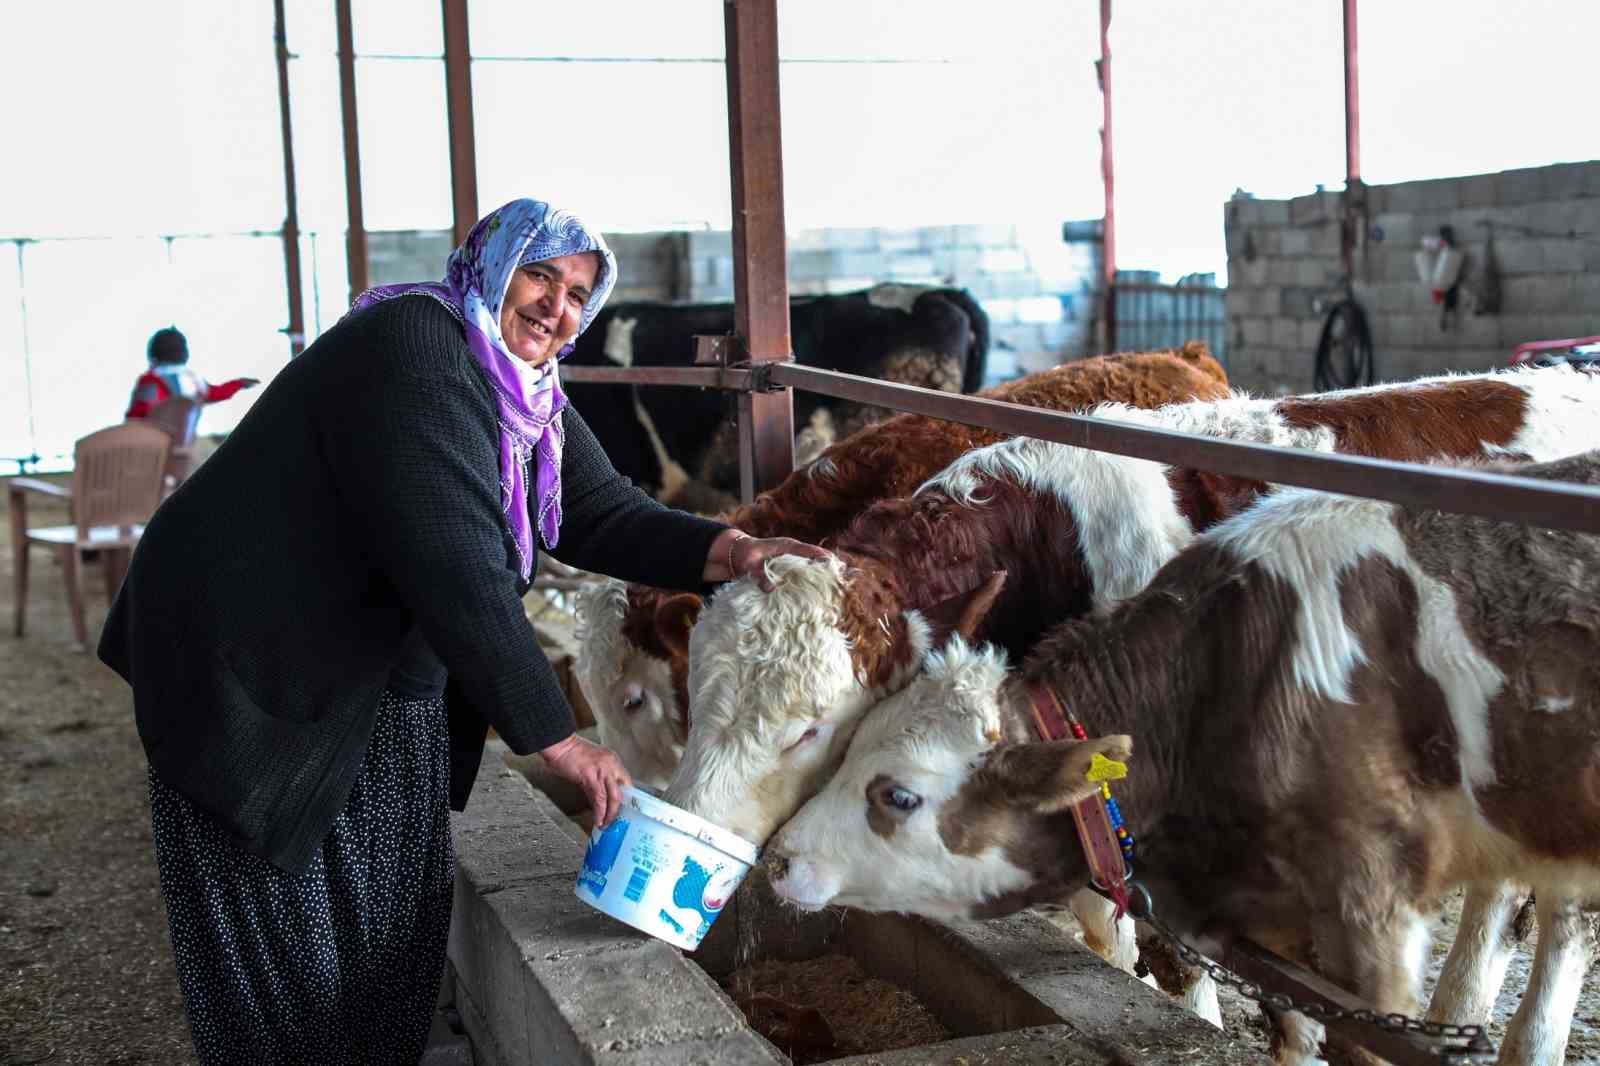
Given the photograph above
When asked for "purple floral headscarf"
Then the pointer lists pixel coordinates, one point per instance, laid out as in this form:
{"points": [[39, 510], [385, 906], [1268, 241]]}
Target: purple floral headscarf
{"points": [[528, 410]]}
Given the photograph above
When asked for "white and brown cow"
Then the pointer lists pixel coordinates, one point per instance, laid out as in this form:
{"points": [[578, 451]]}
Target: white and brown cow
{"points": [[632, 661], [1341, 709]]}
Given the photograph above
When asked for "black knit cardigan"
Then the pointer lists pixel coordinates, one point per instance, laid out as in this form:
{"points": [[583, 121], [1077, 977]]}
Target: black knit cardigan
{"points": [[357, 502]]}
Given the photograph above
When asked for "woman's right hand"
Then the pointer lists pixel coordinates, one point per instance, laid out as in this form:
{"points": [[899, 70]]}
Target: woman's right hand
{"points": [[594, 769]]}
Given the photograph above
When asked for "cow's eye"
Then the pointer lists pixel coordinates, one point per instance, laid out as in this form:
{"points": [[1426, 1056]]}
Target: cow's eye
{"points": [[633, 702], [901, 799], [804, 738]]}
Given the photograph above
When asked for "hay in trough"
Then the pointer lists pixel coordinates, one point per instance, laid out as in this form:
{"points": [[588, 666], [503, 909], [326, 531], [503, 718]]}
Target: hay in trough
{"points": [[828, 1008]]}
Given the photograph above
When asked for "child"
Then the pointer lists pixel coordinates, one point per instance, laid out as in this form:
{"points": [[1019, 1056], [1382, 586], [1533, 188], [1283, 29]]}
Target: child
{"points": [[169, 377]]}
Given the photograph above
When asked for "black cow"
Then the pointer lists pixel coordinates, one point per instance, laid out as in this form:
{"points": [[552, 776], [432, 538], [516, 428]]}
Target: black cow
{"points": [[917, 335]]}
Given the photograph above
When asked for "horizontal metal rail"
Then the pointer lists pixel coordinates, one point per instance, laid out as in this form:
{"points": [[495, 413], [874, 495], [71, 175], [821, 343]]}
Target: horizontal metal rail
{"points": [[705, 377], [1548, 504]]}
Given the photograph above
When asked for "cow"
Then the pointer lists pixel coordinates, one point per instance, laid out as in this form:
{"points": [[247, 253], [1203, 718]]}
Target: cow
{"points": [[1071, 531], [918, 335], [632, 660], [1341, 708]]}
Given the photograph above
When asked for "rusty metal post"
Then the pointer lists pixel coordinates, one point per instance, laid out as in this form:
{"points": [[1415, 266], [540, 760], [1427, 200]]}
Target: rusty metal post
{"points": [[458, 104], [760, 266], [1352, 97], [356, 231], [1108, 238], [291, 210]]}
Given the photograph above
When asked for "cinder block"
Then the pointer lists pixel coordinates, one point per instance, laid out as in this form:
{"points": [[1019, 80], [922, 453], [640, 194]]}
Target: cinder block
{"points": [[1257, 332], [1315, 271], [622, 1001], [1589, 179], [734, 1049], [851, 239], [1304, 210], [1325, 239], [1003, 260], [901, 240], [1285, 333], [1242, 211], [811, 265], [499, 857], [1586, 220], [1563, 256], [1536, 293], [1439, 194], [1565, 180], [1101, 1002], [849, 283], [906, 266], [1398, 265], [1274, 212], [1398, 296], [711, 243], [1310, 334], [1554, 218], [1518, 255], [1297, 300], [1296, 241], [1480, 190], [1586, 297], [988, 235], [1522, 186]]}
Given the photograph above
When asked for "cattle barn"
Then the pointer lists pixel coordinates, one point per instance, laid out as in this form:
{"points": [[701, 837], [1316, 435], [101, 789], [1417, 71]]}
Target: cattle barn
{"points": [[923, 602]]}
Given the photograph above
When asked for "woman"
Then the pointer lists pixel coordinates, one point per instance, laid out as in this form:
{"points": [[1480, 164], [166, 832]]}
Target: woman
{"points": [[320, 625]]}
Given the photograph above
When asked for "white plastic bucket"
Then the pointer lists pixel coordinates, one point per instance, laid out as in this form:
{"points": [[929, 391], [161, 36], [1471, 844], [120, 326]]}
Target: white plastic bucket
{"points": [[662, 870]]}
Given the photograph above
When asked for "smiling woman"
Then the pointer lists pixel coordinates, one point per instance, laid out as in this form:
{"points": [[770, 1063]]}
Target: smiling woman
{"points": [[321, 626]]}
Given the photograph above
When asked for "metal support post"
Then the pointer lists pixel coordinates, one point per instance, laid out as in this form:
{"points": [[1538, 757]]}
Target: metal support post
{"points": [[1108, 245], [458, 104], [356, 232], [291, 211], [760, 267]]}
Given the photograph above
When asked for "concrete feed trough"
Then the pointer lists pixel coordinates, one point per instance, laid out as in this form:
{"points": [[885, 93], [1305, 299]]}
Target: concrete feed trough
{"points": [[541, 978]]}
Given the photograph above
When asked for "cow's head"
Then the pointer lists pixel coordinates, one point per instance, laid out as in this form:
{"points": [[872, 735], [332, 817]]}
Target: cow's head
{"points": [[780, 679], [632, 655], [933, 812]]}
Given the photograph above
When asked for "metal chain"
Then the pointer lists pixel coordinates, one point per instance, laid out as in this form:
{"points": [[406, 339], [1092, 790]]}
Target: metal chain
{"points": [[1459, 1042]]}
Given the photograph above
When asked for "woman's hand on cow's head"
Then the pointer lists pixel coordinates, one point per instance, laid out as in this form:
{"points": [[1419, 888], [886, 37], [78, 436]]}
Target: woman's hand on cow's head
{"points": [[749, 556], [594, 769]]}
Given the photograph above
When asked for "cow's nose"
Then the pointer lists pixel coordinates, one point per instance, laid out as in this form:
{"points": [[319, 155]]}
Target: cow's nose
{"points": [[777, 864]]}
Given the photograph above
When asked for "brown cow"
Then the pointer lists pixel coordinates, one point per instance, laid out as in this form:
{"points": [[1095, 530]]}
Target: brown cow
{"points": [[633, 646]]}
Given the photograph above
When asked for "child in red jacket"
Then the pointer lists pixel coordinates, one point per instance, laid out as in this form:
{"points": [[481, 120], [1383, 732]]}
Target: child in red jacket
{"points": [[170, 377]]}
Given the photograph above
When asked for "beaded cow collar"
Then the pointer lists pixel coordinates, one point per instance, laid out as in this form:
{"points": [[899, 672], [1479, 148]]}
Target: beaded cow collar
{"points": [[1107, 842]]}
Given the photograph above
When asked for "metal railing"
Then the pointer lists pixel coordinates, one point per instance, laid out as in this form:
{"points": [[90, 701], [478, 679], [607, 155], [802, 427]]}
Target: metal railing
{"points": [[1554, 505]]}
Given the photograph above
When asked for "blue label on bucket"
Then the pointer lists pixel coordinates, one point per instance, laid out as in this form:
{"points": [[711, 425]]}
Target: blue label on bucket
{"points": [[601, 856], [701, 890]]}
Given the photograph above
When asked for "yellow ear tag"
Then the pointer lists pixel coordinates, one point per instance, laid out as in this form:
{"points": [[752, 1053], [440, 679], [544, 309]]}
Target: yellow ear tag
{"points": [[1104, 769]]}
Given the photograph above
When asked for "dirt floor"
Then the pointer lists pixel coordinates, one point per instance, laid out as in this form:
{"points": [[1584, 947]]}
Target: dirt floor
{"points": [[85, 967]]}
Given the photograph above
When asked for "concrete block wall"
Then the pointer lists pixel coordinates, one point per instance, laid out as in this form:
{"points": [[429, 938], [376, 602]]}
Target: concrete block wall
{"points": [[1040, 313], [1284, 270]]}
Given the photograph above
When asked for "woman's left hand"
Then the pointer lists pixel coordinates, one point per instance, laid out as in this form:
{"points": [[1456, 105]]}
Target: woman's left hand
{"points": [[735, 554]]}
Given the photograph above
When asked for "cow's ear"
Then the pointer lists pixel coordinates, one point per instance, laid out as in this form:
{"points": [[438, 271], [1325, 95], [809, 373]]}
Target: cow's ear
{"points": [[1051, 775], [675, 616], [961, 614]]}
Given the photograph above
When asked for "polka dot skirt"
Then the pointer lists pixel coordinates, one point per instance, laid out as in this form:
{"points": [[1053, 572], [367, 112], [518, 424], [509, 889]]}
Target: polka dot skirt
{"points": [[339, 965]]}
